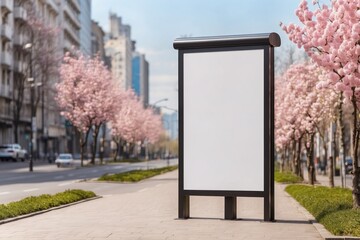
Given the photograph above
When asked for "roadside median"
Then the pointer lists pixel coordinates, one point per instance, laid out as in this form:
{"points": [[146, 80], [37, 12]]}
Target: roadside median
{"points": [[35, 205], [136, 175]]}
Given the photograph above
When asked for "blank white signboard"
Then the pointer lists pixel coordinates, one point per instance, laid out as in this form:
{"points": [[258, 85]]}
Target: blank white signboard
{"points": [[224, 120]]}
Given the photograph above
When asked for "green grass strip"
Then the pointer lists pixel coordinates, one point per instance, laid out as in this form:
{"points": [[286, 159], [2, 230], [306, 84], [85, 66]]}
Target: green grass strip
{"points": [[286, 177], [136, 175], [332, 207], [42, 202]]}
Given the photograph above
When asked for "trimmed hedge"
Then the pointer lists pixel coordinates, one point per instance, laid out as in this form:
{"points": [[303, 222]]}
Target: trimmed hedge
{"points": [[332, 207], [136, 175], [42, 202], [287, 177]]}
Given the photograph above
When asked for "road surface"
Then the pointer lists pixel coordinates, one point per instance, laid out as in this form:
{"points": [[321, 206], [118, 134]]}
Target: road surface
{"points": [[16, 182]]}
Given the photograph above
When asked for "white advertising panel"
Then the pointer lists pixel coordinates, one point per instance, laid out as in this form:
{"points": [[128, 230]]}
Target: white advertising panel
{"points": [[224, 120]]}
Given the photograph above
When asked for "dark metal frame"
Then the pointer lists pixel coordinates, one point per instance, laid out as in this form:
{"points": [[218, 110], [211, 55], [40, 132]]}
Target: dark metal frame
{"points": [[265, 42]]}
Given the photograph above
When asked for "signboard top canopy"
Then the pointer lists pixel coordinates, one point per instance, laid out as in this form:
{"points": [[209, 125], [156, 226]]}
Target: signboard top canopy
{"points": [[272, 39]]}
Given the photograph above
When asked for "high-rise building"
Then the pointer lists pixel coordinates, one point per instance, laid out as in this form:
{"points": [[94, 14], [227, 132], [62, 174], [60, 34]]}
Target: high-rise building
{"points": [[86, 27], [69, 19], [140, 77], [18, 47], [117, 28], [97, 40], [6, 68], [72, 18], [119, 49]]}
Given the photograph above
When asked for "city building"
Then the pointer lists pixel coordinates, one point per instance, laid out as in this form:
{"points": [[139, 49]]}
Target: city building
{"points": [[170, 124], [97, 40], [119, 49], [117, 28], [140, 77], [18, 51], [6, 68], [129, 67], [86, 27], [70, 25]]}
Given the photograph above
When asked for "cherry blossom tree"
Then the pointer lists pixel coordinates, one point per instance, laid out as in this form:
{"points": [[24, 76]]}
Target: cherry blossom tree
{"points": [[330, 36], [46, 61], [301, 107], [85, 95], [133, 123], [43, 56]]}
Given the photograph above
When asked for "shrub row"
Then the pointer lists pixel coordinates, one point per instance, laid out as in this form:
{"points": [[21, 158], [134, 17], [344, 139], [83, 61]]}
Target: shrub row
{"points": [[286, 177], [332, 207], [136, 175], [42, 202]]}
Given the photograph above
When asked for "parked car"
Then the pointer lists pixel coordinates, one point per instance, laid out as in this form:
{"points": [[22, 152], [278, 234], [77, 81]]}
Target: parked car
{"points": [[12, 152], [64, 159], [348, 164]]}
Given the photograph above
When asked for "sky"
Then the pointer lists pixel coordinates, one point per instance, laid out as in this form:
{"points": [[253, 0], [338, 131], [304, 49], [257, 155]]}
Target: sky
{"points": [[155, 24]]}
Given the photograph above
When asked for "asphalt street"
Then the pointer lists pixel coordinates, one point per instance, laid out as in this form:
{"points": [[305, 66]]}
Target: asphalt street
{"points": [[16, 182]]}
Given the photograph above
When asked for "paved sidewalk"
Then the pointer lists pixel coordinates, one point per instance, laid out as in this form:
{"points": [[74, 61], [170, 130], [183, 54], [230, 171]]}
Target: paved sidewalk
{"points": [[151, 214]]}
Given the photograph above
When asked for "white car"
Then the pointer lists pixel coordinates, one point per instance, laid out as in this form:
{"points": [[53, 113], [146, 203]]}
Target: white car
{"points": [[12, 152], [64, 159]]}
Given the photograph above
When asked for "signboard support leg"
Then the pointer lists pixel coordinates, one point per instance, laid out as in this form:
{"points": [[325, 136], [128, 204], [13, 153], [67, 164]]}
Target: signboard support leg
{"points": [[184, 207], [230, 208]]}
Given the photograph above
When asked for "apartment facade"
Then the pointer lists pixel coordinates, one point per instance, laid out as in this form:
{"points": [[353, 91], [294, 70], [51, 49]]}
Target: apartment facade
{"points": [[52, 135], [15, 113], [70, 25], [6, 68]]}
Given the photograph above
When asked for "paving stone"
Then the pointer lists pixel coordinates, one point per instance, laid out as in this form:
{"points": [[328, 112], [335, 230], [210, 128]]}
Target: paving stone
{"points": [[152, 214]]}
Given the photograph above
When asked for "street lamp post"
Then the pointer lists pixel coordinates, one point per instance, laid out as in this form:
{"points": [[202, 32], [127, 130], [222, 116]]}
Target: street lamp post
{"points": [[31, 80], [153, 106], [161, 100], [33, 125], [29, 46]]}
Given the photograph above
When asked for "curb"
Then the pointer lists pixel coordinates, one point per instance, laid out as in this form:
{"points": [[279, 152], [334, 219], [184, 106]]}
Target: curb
{"points": [[8, 220], [325, 234]]}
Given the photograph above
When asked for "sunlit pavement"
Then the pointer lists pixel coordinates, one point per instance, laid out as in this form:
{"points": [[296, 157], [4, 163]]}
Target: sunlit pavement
{"points": [[324, 179], [151, 213], [17, 183]]}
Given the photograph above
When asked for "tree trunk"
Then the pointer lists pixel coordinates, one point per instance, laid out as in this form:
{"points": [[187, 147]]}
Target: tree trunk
{"points": [[356, 181], [331, 171], [342, 133], [356, 170], [81, 150], [297, 165], [310, 160], [332, 159], [325, 156], [95, 136], [294, 152], [288, 159], [102, 144], [282, 159], [18, 97], [83, 142], [16, 135], [118, 145]]}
